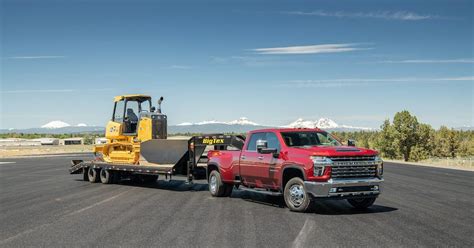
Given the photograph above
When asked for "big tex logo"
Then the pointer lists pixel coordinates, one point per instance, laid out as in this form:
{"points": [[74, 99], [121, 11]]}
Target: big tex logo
{"points": [[209, 141]]}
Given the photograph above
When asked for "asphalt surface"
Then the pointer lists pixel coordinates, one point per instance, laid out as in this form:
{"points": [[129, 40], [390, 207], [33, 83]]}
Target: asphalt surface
{"points": [[42, 205]]}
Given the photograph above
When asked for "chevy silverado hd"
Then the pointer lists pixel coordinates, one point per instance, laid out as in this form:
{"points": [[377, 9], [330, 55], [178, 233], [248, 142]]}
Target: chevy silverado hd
{"points": [[303, 165]]}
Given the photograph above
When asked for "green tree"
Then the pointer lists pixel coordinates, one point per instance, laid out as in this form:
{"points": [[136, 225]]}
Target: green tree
{"points": [[406, 136], [385, 141], [448, 142], [425, 144]]}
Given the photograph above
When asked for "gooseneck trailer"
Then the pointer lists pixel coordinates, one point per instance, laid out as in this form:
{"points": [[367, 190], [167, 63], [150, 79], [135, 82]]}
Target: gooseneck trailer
{"points": [[166, 157]]}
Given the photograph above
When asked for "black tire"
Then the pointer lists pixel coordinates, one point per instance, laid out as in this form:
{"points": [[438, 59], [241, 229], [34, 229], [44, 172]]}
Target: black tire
{"points": [[106, 176], [295, 195], [93, 175], [363, 203], [217, 188], [228, 189]]}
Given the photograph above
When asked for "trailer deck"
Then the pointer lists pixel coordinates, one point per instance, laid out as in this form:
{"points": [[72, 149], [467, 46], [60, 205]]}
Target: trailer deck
{"points": [[166, 157]]}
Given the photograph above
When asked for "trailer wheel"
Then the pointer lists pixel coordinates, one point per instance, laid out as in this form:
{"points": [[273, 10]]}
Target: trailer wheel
{"points": [[93, 175], [295, 195], [106, 176], [362, 203], [216, 186]]}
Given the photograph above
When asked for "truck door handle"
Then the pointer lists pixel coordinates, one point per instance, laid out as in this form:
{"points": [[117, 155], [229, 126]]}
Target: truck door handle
{"points": [[242, 157], [260, 157]]}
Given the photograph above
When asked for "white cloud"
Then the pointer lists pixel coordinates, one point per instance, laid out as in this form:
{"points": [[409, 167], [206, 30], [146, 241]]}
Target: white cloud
{"points": [[54, 90], [311, 49], [468, 78], [177, 67], [430, 61], [36, 57], [348, 82], [387, 15], [36, 91]]}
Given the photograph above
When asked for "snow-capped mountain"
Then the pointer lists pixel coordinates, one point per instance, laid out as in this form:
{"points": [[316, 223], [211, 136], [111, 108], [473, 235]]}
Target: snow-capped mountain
{"points": [[323, 123], [243, 121], [240, 125], [240, 121], [55, 124]]}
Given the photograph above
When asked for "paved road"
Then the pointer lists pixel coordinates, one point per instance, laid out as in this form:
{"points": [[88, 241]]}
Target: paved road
{"points": [[42, 205]]}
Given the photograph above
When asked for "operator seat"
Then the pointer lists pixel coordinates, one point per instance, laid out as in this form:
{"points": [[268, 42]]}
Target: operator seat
{"points": [[131, 121], [132, 116]]}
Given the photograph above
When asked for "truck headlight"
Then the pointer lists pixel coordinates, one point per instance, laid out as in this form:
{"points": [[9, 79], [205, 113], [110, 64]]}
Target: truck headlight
{"points": [[379, 164], [320, 164], [378, 159], [380, 170]]}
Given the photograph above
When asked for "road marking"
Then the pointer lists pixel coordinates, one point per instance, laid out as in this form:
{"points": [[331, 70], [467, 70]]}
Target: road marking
{"points": [[1, 163], [23, 233], [303, 235], [73, 213], [97, 203]]}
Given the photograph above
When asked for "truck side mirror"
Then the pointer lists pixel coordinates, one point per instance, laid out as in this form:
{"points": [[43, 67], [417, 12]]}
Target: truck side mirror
{"points": [[261, 144], [262, 147], [351, 142], [153, 109]]}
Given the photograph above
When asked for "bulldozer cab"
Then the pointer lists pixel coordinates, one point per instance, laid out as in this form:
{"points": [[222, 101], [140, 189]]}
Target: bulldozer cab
{"points": [[127, 113]]}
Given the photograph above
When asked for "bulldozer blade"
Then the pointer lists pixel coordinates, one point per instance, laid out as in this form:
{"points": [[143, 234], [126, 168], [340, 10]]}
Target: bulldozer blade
{"points": [[163, 151]]}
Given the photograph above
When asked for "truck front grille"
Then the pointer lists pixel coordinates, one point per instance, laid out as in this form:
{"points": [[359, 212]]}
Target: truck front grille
{"points": [[354, 167]]}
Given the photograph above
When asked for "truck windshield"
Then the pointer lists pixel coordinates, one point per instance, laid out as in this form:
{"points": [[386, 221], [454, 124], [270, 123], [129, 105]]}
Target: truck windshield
{"points": [[296, 139]]}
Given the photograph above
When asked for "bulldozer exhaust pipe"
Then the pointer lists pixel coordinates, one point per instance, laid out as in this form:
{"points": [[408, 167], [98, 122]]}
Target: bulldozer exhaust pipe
{"points": [[159, 104]]}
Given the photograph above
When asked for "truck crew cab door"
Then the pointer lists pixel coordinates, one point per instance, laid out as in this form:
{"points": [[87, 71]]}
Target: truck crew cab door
{"points": [[257, 169], [249, 161]]}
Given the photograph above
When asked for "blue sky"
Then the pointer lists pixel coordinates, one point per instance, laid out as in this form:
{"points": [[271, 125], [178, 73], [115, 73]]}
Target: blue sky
{"points": [[356, 62]]}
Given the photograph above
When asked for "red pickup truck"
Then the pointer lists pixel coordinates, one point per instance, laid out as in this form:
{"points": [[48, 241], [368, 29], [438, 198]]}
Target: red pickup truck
{"points": [[303, 165]]}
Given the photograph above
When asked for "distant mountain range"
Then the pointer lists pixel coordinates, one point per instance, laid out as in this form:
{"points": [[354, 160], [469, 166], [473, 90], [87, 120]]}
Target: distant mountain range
{"points": [[240, 125]]}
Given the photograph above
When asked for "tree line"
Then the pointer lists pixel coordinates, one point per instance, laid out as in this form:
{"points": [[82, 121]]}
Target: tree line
{"points": [[406, 138]]}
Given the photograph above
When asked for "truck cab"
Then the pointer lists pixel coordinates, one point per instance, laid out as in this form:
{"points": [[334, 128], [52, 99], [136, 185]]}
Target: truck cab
{"points": [[302, 165]]}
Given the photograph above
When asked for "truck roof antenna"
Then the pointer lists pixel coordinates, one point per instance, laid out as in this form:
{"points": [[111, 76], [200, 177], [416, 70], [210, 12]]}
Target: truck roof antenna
{"points": [[159, 104]]}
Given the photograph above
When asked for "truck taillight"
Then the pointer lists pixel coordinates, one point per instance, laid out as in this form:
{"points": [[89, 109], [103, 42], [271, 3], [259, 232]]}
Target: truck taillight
{"points": [[213, 154]]}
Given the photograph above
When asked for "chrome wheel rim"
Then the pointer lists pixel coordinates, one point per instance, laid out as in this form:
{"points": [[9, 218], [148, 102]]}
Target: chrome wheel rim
{"points": [[297, 195], [213, 184]]}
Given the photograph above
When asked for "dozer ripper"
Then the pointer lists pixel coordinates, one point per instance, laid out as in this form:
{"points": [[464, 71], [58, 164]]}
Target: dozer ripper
{"points": [[138, 147]]}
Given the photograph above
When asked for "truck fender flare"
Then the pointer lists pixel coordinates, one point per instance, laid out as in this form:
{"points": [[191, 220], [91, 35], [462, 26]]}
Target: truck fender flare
{"points": [[213, 165], [291, 166]]}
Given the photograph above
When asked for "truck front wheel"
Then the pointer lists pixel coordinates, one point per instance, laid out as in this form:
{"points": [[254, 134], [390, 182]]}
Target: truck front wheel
{"points": [[217, 187], [295, 195], [362, 203]]}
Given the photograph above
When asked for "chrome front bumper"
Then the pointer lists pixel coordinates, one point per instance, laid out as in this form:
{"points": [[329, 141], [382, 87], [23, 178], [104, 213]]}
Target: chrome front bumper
{"points": [[343, 188]]}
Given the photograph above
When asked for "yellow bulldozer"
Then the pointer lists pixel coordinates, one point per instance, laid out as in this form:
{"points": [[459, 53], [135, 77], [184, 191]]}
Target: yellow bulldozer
{"points": [[134, 120]]}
